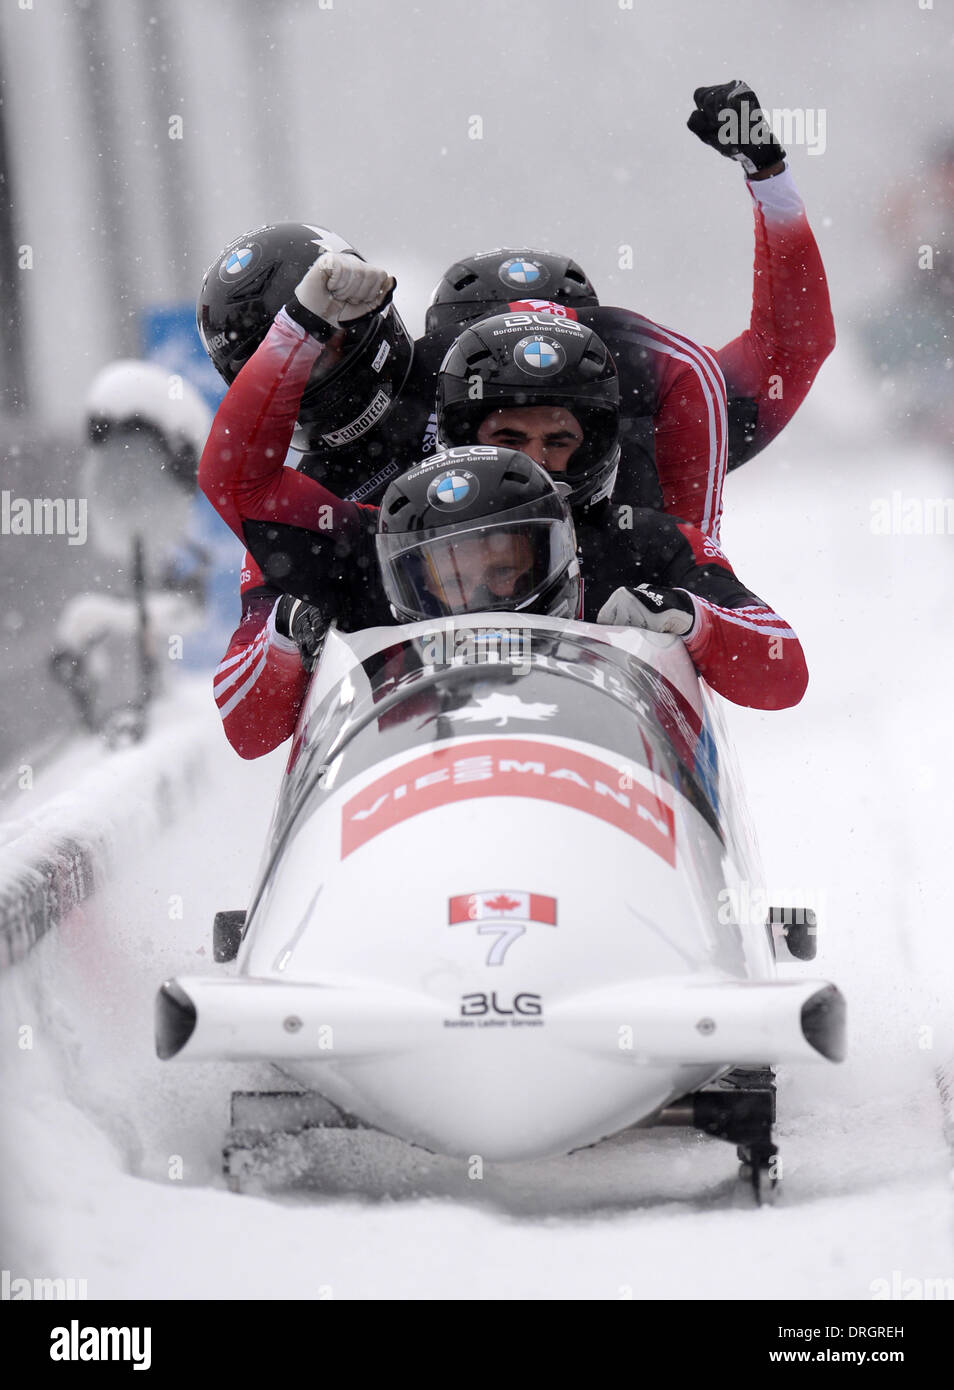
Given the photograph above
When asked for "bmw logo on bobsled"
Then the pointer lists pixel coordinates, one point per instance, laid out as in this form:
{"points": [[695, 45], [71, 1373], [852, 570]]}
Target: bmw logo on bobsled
{"points": [[499, 910]]}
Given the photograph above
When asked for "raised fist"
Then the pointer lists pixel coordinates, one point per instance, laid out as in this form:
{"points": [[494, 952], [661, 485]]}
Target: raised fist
{"points": [[730, 119], [341, 288]]}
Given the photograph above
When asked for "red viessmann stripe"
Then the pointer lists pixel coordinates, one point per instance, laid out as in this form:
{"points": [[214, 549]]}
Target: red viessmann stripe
{"points": [[507, 767]]}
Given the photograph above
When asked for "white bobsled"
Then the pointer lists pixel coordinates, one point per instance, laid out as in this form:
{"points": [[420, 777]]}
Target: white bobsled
{"points": [[496, 915]]}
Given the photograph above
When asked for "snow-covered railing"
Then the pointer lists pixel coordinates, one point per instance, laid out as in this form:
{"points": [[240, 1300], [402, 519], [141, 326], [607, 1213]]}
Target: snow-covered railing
{"points": [[57, 856]]}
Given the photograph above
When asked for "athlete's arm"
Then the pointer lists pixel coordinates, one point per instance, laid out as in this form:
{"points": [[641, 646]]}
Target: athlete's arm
{"points": [[738, 643], [791, 331], [300, 533], [260, 683]]}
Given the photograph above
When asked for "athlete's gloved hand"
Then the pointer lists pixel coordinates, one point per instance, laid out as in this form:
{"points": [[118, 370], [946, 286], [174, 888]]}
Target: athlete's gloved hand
{"points": [[648, 606], [730, 119], [340, 289], [304, 624]]}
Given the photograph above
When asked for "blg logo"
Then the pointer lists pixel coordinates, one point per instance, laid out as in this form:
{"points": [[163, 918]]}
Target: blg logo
{"points": [[481, 1005]]}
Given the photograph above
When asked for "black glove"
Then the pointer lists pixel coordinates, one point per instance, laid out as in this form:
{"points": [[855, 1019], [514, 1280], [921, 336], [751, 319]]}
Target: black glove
{"points": [[730, 119], [304, 624], [649, 606]]}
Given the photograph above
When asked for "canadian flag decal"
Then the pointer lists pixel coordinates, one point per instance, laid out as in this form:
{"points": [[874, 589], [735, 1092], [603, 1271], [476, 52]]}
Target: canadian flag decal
{"points": [[544, 306], [503, 905]]}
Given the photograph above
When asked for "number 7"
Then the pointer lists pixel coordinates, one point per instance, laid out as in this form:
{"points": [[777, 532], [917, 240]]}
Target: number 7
{"points": [[506, 935]]}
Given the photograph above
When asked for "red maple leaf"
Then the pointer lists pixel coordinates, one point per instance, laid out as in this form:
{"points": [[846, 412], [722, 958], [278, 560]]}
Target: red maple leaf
{"points": [[502, 903]]}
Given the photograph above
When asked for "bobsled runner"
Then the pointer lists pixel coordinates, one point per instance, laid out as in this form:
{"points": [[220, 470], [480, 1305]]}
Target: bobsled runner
{"points": [[501, 907]]}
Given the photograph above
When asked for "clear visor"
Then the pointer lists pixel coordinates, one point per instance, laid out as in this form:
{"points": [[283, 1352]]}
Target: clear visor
{"points": [[483, 567]]}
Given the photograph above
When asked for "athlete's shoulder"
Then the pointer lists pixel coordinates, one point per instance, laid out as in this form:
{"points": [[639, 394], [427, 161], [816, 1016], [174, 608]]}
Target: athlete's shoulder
{"points": [[608, 318], [613, 323], [429, 352], [637, 347]]}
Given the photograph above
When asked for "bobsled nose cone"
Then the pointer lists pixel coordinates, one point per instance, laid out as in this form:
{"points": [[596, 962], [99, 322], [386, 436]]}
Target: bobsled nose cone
{"points": [[514, 1109], [823, 1022], [175, 1019]]}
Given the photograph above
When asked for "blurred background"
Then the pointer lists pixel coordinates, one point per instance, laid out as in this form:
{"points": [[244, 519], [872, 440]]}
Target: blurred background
{"points": [[357, 114], [139, 136]]}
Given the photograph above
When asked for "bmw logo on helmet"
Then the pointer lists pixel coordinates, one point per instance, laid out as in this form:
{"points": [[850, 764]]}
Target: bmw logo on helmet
{"points": [[237, 260], [453, 489], [523, 274], [539, 356]]}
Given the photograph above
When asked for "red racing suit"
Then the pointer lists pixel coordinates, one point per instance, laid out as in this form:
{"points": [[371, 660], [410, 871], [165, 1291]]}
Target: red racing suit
{"points": [[770, 367]]}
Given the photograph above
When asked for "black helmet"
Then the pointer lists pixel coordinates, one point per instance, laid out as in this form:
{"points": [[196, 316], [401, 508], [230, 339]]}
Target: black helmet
{"points": [[477, 530], [525, 359], [487, 282], [243, 290]]}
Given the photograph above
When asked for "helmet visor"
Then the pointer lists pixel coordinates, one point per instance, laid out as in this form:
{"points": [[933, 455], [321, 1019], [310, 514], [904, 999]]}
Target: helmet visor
{"points": [[482, 567]]}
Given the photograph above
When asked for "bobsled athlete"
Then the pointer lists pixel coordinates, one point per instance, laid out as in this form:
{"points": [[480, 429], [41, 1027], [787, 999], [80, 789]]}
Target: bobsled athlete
{"points": [[687, 413], [326, 552], [484, 530], [318, 548]]}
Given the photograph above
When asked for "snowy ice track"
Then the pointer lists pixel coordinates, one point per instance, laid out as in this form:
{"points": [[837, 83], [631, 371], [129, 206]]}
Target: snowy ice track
{"points": [[111, 1158]]}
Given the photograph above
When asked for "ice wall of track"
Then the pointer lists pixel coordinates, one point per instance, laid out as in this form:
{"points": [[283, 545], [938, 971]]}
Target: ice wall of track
{"points": [[66, 832]]}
